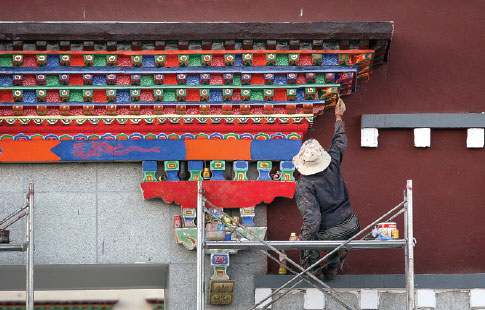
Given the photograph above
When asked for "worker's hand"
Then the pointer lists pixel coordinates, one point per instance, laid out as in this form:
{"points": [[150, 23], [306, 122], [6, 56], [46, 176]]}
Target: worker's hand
{"points": [[340, 107]]}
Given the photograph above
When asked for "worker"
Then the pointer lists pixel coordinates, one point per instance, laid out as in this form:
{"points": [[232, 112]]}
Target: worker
{"points": [[322, 197]]}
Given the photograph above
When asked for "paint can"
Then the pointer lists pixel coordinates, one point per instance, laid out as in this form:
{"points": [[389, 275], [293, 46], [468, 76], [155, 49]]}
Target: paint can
{"points": [[177, 221], [4, 236], [389, 229]]}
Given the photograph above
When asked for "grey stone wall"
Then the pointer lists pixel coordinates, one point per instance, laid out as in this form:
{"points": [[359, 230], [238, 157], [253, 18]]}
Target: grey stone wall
{"points": [[95, 214]]}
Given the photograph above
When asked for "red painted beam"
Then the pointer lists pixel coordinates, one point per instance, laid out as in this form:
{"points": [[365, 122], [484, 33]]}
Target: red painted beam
{"points": [[224, 194]]}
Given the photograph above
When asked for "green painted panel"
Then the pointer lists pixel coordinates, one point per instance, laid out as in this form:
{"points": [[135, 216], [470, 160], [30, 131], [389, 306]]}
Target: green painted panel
{"points": [[237, 80], [169, 95], [76, 95], [6, 61], [147, 80], [257, 94], [99, 60], [194, 61], [282, 60], [53, 80], [320, 78]]}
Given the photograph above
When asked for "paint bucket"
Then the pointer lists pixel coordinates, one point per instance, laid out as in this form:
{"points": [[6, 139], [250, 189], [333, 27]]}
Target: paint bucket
{"points": [[177, 221], [389, 229], [4, 236]]}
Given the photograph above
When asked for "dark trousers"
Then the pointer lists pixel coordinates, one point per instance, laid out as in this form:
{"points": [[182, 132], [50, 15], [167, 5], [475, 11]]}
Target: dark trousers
{"points": [[342, 231]]}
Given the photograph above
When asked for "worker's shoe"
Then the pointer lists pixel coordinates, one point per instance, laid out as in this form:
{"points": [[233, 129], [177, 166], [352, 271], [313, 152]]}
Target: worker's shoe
{"points": [[330, 272]]}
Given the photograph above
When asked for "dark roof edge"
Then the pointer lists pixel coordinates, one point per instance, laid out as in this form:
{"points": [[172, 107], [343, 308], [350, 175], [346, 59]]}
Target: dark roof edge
{"points": [[105, 30]]}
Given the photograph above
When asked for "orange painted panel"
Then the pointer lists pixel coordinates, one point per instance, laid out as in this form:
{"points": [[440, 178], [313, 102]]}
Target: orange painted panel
{"points": [[218, 149], [27, 151]]}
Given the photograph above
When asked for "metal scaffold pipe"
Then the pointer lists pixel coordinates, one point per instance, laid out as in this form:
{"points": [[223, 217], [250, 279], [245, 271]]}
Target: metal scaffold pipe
{"points": [[200, 247], [29, 303]]}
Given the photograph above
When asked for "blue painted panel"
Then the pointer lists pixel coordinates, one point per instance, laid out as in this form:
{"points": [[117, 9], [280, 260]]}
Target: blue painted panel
{"points": [[238, 60], [280, 79], [241, 165], [149, 165], [52, 61], [6, 80], [148, 61], [300, 94], [330, 60], [196, 165], [283, 149], [123, 96], [107, 150], [193, 79], [99, 79], [287, 165], [29, 96], [215, 95]]}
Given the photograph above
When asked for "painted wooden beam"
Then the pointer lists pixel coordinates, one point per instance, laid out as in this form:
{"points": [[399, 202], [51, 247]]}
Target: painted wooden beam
{"points": [[224, 194], [424, 120], [143, 150], [167, 70]]}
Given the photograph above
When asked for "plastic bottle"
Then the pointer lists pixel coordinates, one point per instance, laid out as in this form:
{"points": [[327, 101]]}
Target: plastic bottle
{"points": [[282, 268]]}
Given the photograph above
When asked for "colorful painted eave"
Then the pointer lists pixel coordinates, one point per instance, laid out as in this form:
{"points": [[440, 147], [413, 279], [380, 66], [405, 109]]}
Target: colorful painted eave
{"points": [[61, 101], [224, 194]]}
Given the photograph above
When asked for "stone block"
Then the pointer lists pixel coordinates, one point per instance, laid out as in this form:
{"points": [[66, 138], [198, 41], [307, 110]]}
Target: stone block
{"points": [[475, 138], [132, 230], [314, 299], [392, 300], [67, 177], [368, 137], [369, 299], [425, 298], [422, 137], [65, 227], [118, 177], [452, 300], [260, 294], [477, 298], [293, 300], [349, 297]]}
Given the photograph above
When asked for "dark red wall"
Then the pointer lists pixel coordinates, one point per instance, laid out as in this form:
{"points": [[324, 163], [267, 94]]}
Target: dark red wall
{"points": [[436, 64]]}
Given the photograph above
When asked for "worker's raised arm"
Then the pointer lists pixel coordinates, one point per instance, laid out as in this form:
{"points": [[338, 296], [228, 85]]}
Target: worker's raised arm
{"points": [[310, 211], [339, 140]]}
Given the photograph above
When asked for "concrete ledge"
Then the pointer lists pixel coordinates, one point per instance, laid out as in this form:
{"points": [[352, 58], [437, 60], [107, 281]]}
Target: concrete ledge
{"points": [[93, 277], [424, 120], [434, 281]]}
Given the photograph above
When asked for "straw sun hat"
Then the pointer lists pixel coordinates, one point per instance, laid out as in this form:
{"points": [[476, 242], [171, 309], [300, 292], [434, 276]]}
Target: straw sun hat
{"points": [[312, 158]]}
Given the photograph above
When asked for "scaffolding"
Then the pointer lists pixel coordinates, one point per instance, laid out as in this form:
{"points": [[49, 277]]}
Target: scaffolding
{"points": [[27, 246], [305, 274]]}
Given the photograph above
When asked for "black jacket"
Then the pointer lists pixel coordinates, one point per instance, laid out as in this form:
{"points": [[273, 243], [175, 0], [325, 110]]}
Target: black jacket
{"points": [[322, 198]]}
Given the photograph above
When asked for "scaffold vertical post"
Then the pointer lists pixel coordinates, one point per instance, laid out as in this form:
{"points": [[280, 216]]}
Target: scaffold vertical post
{"points": [[200, 247], [30, 250], [409, 246]]}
